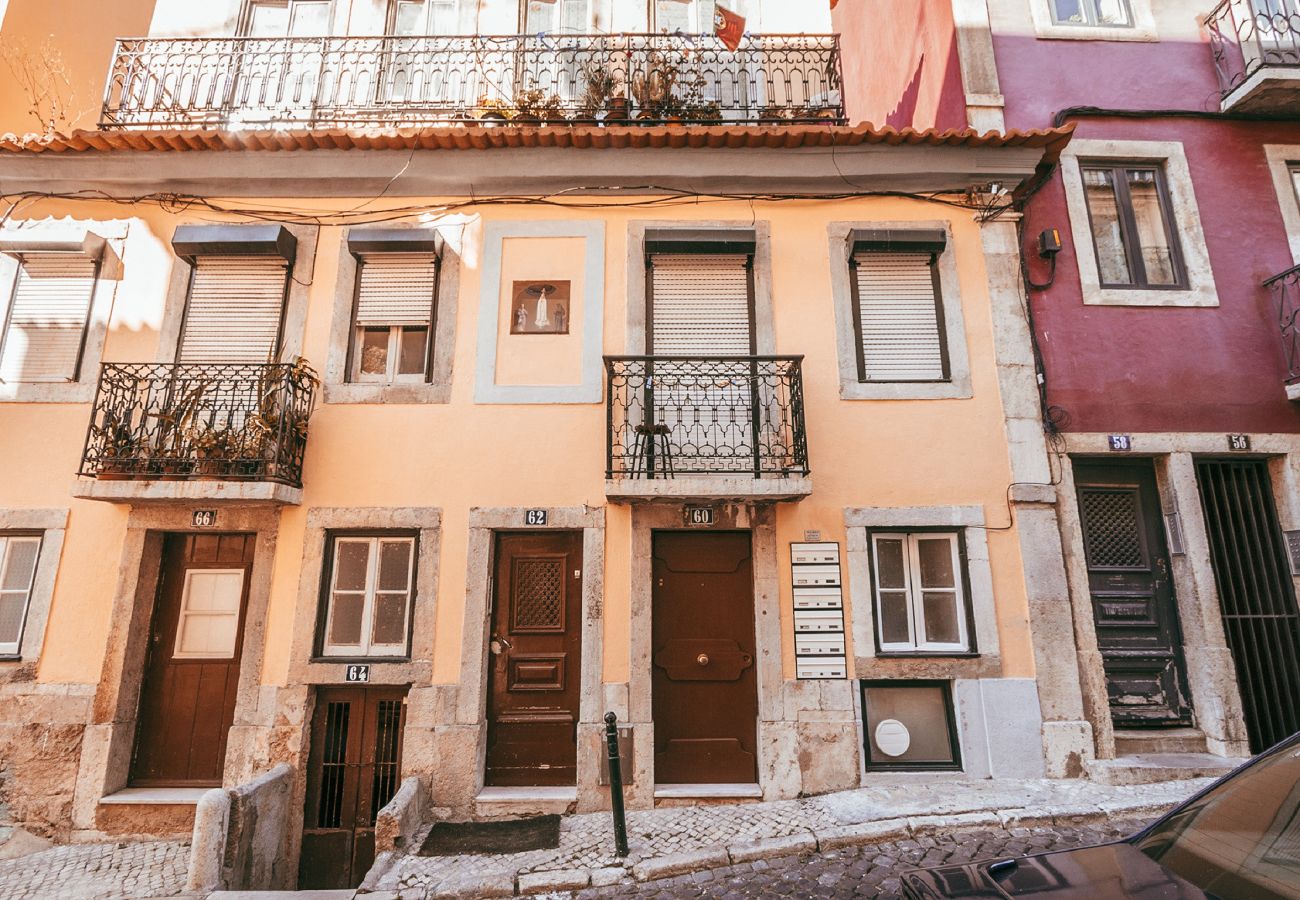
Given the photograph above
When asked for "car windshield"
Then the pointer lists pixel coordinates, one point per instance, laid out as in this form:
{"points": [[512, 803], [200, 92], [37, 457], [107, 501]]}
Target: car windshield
{"points": [[1242, 839]]}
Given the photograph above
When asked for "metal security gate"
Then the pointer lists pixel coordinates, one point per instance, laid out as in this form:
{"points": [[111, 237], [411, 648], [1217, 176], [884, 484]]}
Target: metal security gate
{"points": [[1256, 595]]}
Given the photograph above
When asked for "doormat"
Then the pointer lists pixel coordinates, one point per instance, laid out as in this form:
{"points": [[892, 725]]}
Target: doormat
{"points": [[482, 838]]}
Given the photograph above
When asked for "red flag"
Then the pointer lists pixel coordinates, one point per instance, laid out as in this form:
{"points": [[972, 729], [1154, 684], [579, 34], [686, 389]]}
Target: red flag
{"points": [[833, 2], [728, 26]]}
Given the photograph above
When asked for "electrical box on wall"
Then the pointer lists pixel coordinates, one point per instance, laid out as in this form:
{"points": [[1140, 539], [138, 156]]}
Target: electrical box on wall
{"points": [[820, 651]]}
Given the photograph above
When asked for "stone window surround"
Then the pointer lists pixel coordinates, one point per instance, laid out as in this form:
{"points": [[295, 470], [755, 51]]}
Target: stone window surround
{"points": [[765, 336], [301, 277], [471, 696], [958, 385], [591, 389], [1281, 157], [1142, 29], [986, 660], [437, 389], [306, 667], [114, 233], [1201, 291], [52, 525], [109, 739]]}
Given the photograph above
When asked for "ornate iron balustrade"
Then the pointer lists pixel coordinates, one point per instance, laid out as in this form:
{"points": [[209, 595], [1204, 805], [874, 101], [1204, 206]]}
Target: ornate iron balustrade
{"points": [[408, 81], [1243, 41], [705, 415], [1285, 289], [239, 422]]}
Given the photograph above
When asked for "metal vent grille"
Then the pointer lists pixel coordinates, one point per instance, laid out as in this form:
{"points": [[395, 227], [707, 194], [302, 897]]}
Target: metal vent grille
{"points": [[334, 767], [539, 594], [1111, 529]]}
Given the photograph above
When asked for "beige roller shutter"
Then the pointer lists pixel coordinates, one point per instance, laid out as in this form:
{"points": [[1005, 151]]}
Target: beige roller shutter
{"points": [[898, 314], [47, 318], [700, 304], [234, 310], [397, 289]]}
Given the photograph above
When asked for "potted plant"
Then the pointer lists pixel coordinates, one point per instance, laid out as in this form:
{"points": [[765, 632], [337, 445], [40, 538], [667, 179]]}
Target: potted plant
{"points": [[217, 451], [598, 86], [491, 111], [616, 109], [122, 452], [277, 432], [694, 104], [773, 114], [171, 456], [535, 106]]}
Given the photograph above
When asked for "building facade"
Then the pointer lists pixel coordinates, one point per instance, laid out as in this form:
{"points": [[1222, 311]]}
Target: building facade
{"points": [[398, 406], [1166, 327]]}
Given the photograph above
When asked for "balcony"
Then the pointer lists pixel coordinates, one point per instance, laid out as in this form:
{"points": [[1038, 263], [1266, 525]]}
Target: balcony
{"points": [[1257, 58], [705, 428], [352, 82], [1285, 292], [210, 432]]}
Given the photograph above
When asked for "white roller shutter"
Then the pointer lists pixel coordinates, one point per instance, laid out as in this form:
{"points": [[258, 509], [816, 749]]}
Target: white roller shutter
{"points": [[700, 304], [47, 318], [899, 317], [234, 309], [397, 289]]}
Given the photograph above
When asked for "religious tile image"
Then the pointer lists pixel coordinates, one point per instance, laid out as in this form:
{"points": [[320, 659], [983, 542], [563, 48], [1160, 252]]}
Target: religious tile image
{"points": [[540, 307]]}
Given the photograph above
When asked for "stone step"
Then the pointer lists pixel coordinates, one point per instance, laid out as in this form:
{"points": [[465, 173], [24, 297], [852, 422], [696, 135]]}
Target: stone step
{"points": [[1146, 768], [1135, 741], [524, 802]]}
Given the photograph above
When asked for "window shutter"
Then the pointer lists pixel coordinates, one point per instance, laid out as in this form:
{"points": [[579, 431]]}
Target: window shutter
{"points": [[234, 309], [898, 316], [700, 304], [397, 289], [47, 318]]}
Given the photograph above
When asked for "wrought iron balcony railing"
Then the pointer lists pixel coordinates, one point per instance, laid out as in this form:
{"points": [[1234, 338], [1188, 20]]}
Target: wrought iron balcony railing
{"points": [[239, 422], [1285, 291], [705, 415], [409, 81], [1245, 39]]}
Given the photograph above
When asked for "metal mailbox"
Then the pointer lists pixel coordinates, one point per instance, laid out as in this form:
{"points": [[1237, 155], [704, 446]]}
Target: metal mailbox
{"points": [[806, 621], [812, 554], [818, 598], [816, 576]]}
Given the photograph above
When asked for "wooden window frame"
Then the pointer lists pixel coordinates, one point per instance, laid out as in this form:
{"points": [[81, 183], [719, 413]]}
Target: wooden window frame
{"points": [[320, 649], [1091, 15], [950, 707], [1119, 170], [85, 325], [352, 363], [13, 650], [941, 325], [966, 613]]}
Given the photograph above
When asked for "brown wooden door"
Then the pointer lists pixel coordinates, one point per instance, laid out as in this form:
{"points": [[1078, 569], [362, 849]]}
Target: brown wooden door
{"points": [[191, 674], [705, 683], [353, 770], [535, 670], [1132, 594]]}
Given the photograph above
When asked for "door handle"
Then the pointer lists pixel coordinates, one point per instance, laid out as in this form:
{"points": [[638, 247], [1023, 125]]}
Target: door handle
{"points": [[499, 645], [702, 659]]}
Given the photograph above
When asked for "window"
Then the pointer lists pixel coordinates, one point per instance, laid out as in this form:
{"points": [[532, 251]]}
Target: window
{"points": [[18, 554], [394, 317], [1097, 13], [1131, 221], [570, 16], [288, 18], [369, 601], [920, 599], [45, 324], [424, 17], [909, 725], [234, 310], [898, 313], [694, 16], [209, 618]]}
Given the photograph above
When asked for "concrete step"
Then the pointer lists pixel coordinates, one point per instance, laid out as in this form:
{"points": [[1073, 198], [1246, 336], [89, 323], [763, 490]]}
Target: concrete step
{"points": [[524, 802], [1146, 768], [1135, 741]]}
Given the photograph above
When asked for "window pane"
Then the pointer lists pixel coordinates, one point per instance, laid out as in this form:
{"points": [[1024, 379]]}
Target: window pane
{"points": [[12, 604], [1153, 238], [1069, 11], [1103, 207], [673, 15], [345, 624], [941, 626], [207, 636], [409, 18], [19, 564], [893, 618], [390, 619], [889, 564], [443, 17], [1113, 12], [310, 19], [411, 360], [269, 20], [394, 565], [575, 16], [374, 351], [936, 563], [352, 558]]}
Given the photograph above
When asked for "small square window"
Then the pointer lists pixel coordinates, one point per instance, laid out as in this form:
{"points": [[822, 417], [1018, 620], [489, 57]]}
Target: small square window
{"points": [[1095, 13], [1131, 218], [919, 585], [393, 317], [18, 556], [909, 725], [367, 609]]}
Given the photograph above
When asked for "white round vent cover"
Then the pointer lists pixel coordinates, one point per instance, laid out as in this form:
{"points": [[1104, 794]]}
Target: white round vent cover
{"points": [[892, 737]]}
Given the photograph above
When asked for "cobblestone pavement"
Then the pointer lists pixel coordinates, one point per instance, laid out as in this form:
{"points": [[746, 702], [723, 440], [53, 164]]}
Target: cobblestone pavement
{"points": [[868, 871], [97, 871]]}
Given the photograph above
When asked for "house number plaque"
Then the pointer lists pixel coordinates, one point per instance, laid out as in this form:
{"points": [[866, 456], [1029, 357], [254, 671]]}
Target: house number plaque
{"points": [[535, 518], [699, 515], [1119, 442], [357, 673], [204, 518], [1238, 442]]}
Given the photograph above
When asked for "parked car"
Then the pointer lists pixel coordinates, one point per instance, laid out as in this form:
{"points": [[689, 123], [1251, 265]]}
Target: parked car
{"points": [[1239, 839]]}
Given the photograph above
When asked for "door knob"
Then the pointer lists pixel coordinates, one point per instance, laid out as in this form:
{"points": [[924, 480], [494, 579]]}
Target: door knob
{"points": [[702, 659]]}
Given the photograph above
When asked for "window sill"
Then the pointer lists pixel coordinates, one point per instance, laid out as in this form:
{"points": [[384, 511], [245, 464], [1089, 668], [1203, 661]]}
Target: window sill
{"points": [[48, 392], [927, 654], [1196, 297], [396, 393], [358, 660], [1054, 32], [10, 657], [956, 389]]}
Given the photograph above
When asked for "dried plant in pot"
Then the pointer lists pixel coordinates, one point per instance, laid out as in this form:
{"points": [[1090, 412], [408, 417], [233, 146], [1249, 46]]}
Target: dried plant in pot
{"points": [[535, 106], [217, 452], [122, 453], [491, 111], [598, 87], [277, 432]]}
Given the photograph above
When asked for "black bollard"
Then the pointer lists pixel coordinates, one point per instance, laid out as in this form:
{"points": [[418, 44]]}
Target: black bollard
{"points": [[616, 784]]}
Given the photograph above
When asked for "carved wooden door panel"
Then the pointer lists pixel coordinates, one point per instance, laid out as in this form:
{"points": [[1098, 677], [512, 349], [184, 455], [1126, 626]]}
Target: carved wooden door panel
{"points": [[535, 664], [705, 683]]}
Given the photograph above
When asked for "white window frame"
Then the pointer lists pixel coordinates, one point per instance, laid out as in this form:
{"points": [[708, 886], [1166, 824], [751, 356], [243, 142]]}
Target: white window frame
{"points": [[366, 649], [186, 614], [913, 588], [7, 541], [1200, 290], [1283, 159], [458, 10], [390, 375], [1046, 26]]}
